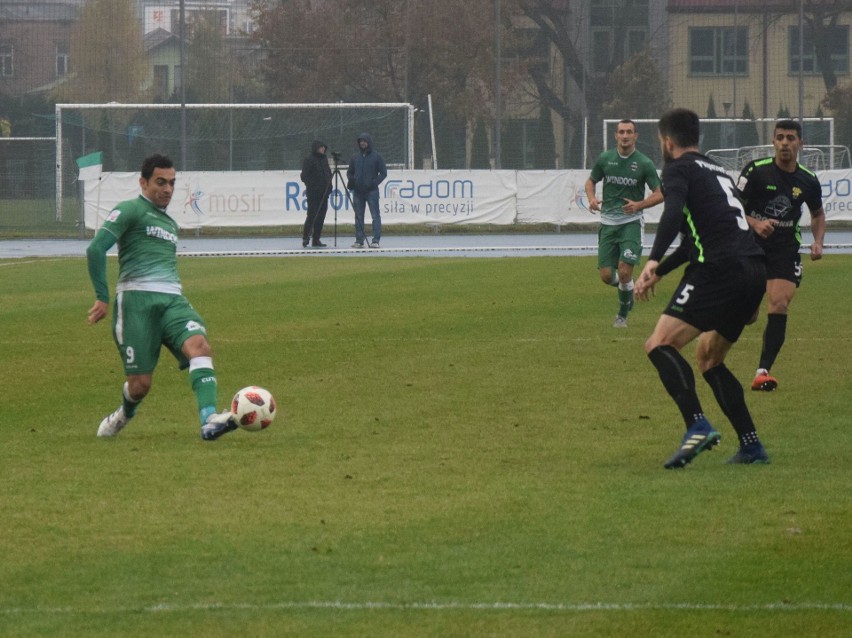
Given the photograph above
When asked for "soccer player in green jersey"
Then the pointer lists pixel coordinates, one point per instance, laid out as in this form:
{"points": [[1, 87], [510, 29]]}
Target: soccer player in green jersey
{"points": [[150, 310], [625, 173]]}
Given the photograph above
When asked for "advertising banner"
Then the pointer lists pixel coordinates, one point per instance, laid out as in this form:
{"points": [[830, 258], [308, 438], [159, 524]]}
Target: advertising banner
{"points": [[276, 198]]}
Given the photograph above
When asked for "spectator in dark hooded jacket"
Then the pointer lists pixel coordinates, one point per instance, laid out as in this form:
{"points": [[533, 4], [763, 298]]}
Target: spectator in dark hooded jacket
{"points": [[366, 171], [316, 175]]}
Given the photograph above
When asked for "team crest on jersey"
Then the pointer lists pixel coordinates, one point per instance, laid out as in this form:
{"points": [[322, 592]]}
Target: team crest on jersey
{"points": [[113, 215], [778, 207], [797, 192], [634, 166]]}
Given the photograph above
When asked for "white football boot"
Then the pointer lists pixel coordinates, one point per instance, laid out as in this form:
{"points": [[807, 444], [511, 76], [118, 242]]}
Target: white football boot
{"points": [[114, 423], [217, 425]]}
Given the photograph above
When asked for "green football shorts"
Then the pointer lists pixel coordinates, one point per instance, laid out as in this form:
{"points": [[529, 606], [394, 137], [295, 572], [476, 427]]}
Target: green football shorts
{"points": [[622, 243], [145, 321]]}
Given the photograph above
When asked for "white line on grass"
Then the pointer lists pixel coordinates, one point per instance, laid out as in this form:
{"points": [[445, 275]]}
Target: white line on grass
{"points": [[34, 261], [338, 605], [305, 252], [590, 249]]}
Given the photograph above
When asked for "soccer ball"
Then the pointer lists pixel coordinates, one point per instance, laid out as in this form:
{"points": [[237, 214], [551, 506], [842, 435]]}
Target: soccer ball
{"points": [[253, 408]]}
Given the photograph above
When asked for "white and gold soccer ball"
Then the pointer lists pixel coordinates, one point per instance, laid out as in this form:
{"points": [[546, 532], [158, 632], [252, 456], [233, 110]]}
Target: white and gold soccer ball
{"points": [[253, 408]]}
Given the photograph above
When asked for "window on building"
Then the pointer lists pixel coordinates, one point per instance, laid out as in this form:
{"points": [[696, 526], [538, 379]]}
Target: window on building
{"points": [[718, 50], [837, 39], [7, 60], [161, 82], [61, 59], [518, 143], [635, 41], [618, 30], [601, 50], [219, 17]]}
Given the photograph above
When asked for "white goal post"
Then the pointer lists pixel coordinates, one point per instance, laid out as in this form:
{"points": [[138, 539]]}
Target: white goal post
{"points": [[729, 133], [345, 115]]}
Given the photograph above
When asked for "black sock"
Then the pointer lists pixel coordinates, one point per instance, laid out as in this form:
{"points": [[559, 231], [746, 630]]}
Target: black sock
{"points": [[731, 398], [773, 339], [679, 381]]}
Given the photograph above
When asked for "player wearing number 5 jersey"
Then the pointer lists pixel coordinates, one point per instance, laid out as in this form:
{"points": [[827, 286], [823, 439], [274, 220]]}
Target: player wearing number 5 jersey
{"points": [[719, 294], [150, 310], [773, 190]]}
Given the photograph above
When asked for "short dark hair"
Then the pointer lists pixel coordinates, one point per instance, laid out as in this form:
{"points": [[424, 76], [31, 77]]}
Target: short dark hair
{"points": [[627, 120], [682, 126], [789, 125], [155, 161]]}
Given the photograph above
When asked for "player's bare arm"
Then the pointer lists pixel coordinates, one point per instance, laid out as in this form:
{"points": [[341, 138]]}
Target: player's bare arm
{"points": [[762, 227], [98, 311], [818, 231], [632, 207], [646, 281], [594, 202]]}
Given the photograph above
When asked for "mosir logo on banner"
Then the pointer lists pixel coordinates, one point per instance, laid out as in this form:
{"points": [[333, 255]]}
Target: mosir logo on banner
{"points": [[232, 203]]}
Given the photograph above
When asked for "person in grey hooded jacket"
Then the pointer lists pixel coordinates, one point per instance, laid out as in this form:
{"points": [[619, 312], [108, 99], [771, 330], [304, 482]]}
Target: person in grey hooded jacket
{"points": [[366, 171]]}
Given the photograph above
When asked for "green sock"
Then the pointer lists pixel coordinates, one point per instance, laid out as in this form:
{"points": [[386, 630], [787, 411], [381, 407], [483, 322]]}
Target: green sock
{"points": [[625, 298], [203, 380], [129, 404]]}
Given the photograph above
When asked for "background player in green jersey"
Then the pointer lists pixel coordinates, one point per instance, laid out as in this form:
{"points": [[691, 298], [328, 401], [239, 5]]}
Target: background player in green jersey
{"points": [[150, 309], [774, 190], [625, 173]]}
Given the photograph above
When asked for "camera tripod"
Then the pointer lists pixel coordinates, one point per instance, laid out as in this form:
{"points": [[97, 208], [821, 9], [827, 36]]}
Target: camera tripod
{"points": [[339, 183]]}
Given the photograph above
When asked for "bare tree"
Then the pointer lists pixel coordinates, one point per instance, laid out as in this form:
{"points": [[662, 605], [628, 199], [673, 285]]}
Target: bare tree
{"points": [[821, 18], [211, 73], [637, 88], [108, 61], [554, 20], [385, 51], [379, 50]]}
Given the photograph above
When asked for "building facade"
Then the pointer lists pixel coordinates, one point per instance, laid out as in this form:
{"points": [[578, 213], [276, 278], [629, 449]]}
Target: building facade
{"points": [[752, 52], [35, 41]]}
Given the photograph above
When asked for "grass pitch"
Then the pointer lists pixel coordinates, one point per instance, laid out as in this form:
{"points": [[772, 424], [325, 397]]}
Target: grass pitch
{"points": [[465, 447]]}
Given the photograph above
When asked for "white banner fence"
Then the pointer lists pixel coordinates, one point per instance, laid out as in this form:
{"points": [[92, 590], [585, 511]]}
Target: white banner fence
{"points": [[276, 198]]}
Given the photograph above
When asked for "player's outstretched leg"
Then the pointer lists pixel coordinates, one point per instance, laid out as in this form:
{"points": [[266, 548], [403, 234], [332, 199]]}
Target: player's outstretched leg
{"points": [[763, 381], [701, 436], [114, 423], [218, 424]]}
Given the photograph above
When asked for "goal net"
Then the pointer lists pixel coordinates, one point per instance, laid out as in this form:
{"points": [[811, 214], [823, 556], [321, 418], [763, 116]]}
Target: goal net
{"points": [[27, 181], [816, 158], [226, 137]]}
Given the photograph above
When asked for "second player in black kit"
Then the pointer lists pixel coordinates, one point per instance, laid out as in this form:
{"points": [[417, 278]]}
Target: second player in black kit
{"points": [[774, 190], [719, 294]]}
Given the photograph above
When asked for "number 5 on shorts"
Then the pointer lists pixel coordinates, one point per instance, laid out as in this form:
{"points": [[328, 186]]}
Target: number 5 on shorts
{"points": [[683, 297]]}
